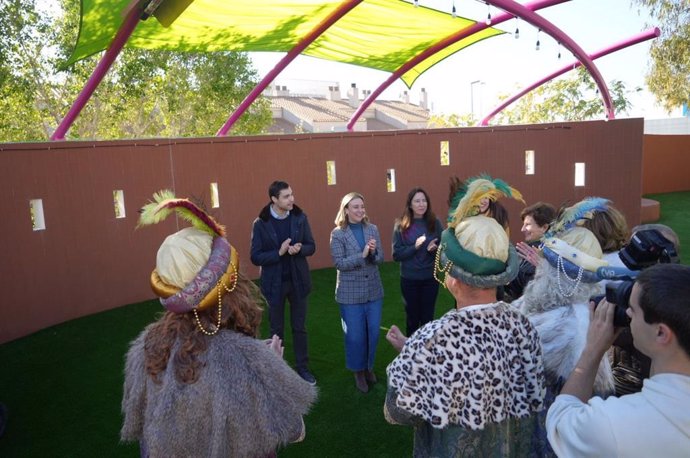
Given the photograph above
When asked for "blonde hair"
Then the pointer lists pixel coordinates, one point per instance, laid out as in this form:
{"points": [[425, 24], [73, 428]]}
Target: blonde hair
{"points": [[341, 220], [610, 229]]}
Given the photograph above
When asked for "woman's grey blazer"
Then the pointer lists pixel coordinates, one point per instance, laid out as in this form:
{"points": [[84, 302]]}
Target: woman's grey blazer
{"points": [[358, 278]]}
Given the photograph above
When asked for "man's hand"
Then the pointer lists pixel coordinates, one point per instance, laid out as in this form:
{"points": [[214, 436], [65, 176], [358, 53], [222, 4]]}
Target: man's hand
{"points": [[600, 336], [284, 247], [396, 338], [294, 249]]}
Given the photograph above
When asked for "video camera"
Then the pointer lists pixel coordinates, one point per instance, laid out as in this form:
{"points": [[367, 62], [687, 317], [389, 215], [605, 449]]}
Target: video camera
{"points": [[646, 248]]}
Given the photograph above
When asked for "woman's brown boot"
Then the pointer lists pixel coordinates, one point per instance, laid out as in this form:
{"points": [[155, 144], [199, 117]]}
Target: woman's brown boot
{"points": [[361, 382], [370, 376]]}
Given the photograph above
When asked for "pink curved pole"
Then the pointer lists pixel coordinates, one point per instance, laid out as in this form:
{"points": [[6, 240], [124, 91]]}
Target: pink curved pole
{"points": [[570, 44], [331, 19], [639, 38], [126, 29], [430, 51]]}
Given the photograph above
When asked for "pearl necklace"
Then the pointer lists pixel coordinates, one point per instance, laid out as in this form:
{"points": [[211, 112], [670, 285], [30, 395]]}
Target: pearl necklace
{"points": [[220, 286], [439, 269], [561, 268]]}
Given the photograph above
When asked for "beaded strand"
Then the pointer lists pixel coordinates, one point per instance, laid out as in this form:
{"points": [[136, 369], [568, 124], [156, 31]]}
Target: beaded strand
{"points": [[561, 268], [438, 268], [219, 286]]}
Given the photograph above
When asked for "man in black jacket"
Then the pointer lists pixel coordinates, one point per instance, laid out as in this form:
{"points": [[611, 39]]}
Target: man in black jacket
{"points": [[281, 242]]}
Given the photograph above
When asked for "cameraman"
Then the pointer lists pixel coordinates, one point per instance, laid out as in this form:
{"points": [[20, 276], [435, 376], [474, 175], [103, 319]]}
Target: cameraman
{"points": [[629, 366], [655, 421]]}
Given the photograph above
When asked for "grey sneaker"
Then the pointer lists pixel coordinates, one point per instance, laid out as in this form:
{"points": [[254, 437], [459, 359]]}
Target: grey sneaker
{"points": [[306, 376]]}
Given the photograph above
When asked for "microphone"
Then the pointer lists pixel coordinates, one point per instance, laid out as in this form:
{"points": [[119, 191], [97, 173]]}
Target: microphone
{"points": [[616, 273]]}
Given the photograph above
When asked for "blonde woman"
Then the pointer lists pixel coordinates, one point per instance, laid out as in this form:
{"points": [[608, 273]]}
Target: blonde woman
{"points": [[357, 251]]}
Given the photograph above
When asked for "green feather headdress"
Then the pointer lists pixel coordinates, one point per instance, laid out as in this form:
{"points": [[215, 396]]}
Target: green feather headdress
{"points": [[164, 203], [466, 200]]}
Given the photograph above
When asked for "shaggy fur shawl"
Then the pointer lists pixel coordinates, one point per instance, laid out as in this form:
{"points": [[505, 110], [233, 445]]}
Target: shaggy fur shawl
{"points": [[246, 402], [562, 322]]}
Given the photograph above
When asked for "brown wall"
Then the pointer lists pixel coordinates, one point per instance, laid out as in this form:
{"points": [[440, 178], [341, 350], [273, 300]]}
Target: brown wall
{"points": [[665, 163], [88, 261]]}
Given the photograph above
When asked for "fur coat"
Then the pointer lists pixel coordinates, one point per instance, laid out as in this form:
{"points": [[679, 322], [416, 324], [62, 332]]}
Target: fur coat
{"points": [[246, 402], [562, 321]]}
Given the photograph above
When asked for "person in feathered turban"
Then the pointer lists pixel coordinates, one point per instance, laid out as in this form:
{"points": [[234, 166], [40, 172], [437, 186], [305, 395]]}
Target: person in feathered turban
{"points": [[471, 381], [197, 381]]}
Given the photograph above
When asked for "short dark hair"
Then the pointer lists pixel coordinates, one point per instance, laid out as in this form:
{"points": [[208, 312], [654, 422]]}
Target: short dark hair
{"points": [[275, 188], [665, 298], [541, 212]]}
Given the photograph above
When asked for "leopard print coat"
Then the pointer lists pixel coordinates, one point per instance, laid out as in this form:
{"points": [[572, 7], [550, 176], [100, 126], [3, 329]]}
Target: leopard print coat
{"points": [[472, 367]]}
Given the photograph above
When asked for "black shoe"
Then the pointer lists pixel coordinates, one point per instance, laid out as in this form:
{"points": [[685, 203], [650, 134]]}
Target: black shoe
{"points": [[307, 377], [361, 382]]}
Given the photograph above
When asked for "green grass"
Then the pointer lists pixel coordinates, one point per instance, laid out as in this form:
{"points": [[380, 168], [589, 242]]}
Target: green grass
{"points": [[675, 213], [63, 385]]}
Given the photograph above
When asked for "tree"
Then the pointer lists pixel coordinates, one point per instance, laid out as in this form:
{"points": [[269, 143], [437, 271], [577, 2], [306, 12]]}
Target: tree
{"points": [[573, 98], [438, 121], [145, 94], [668, 76]]}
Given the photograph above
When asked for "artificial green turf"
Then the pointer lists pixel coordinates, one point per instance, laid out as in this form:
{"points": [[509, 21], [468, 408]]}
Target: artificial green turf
{"points": [[63, 385], [675, 212]]}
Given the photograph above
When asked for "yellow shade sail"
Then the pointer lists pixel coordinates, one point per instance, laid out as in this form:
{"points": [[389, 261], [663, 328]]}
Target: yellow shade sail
{"points": [[379, 34]]}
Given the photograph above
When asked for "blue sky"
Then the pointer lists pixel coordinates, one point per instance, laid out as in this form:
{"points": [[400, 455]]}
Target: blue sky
{"points": [[503, 64]]}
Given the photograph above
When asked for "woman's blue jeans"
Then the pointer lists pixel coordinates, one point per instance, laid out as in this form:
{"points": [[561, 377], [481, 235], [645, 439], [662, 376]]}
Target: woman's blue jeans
{"points": [[361, 326]]}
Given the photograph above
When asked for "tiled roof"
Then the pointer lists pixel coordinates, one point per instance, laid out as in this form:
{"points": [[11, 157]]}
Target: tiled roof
{"points": [[322, 110], [313, 109], [402, 110]]}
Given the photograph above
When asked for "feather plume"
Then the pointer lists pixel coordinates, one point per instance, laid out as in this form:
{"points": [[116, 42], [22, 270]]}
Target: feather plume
{"points": [[164, 203], [466, 200], [576, 214]]}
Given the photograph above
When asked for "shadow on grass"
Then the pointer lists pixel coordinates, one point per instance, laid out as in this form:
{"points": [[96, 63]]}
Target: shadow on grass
{"points": [[63, 385]]}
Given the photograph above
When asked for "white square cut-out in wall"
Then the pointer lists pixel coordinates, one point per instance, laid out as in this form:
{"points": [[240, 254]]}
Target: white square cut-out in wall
{"points": [[330, 173], [445, 153], [38, 221], [579, 174], [119, 203], [215, 201], [390, 180], [529, 162]]}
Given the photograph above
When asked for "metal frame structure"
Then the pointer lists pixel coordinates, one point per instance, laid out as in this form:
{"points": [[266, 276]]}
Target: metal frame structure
{"points": [[639, 38], [464, 33], [511, 9]]}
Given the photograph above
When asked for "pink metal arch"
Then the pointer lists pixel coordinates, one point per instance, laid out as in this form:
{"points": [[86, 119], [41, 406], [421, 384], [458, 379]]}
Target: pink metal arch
{"points": [[644, 36], [331, 19], [449, 40], [538, 21], [130, 23]]}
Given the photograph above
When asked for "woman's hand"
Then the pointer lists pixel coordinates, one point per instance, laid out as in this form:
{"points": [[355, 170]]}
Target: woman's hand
{"points": [[369, 248], [420, 241], [528, 253], [396, 338], [432, 246], [275, 344]]}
